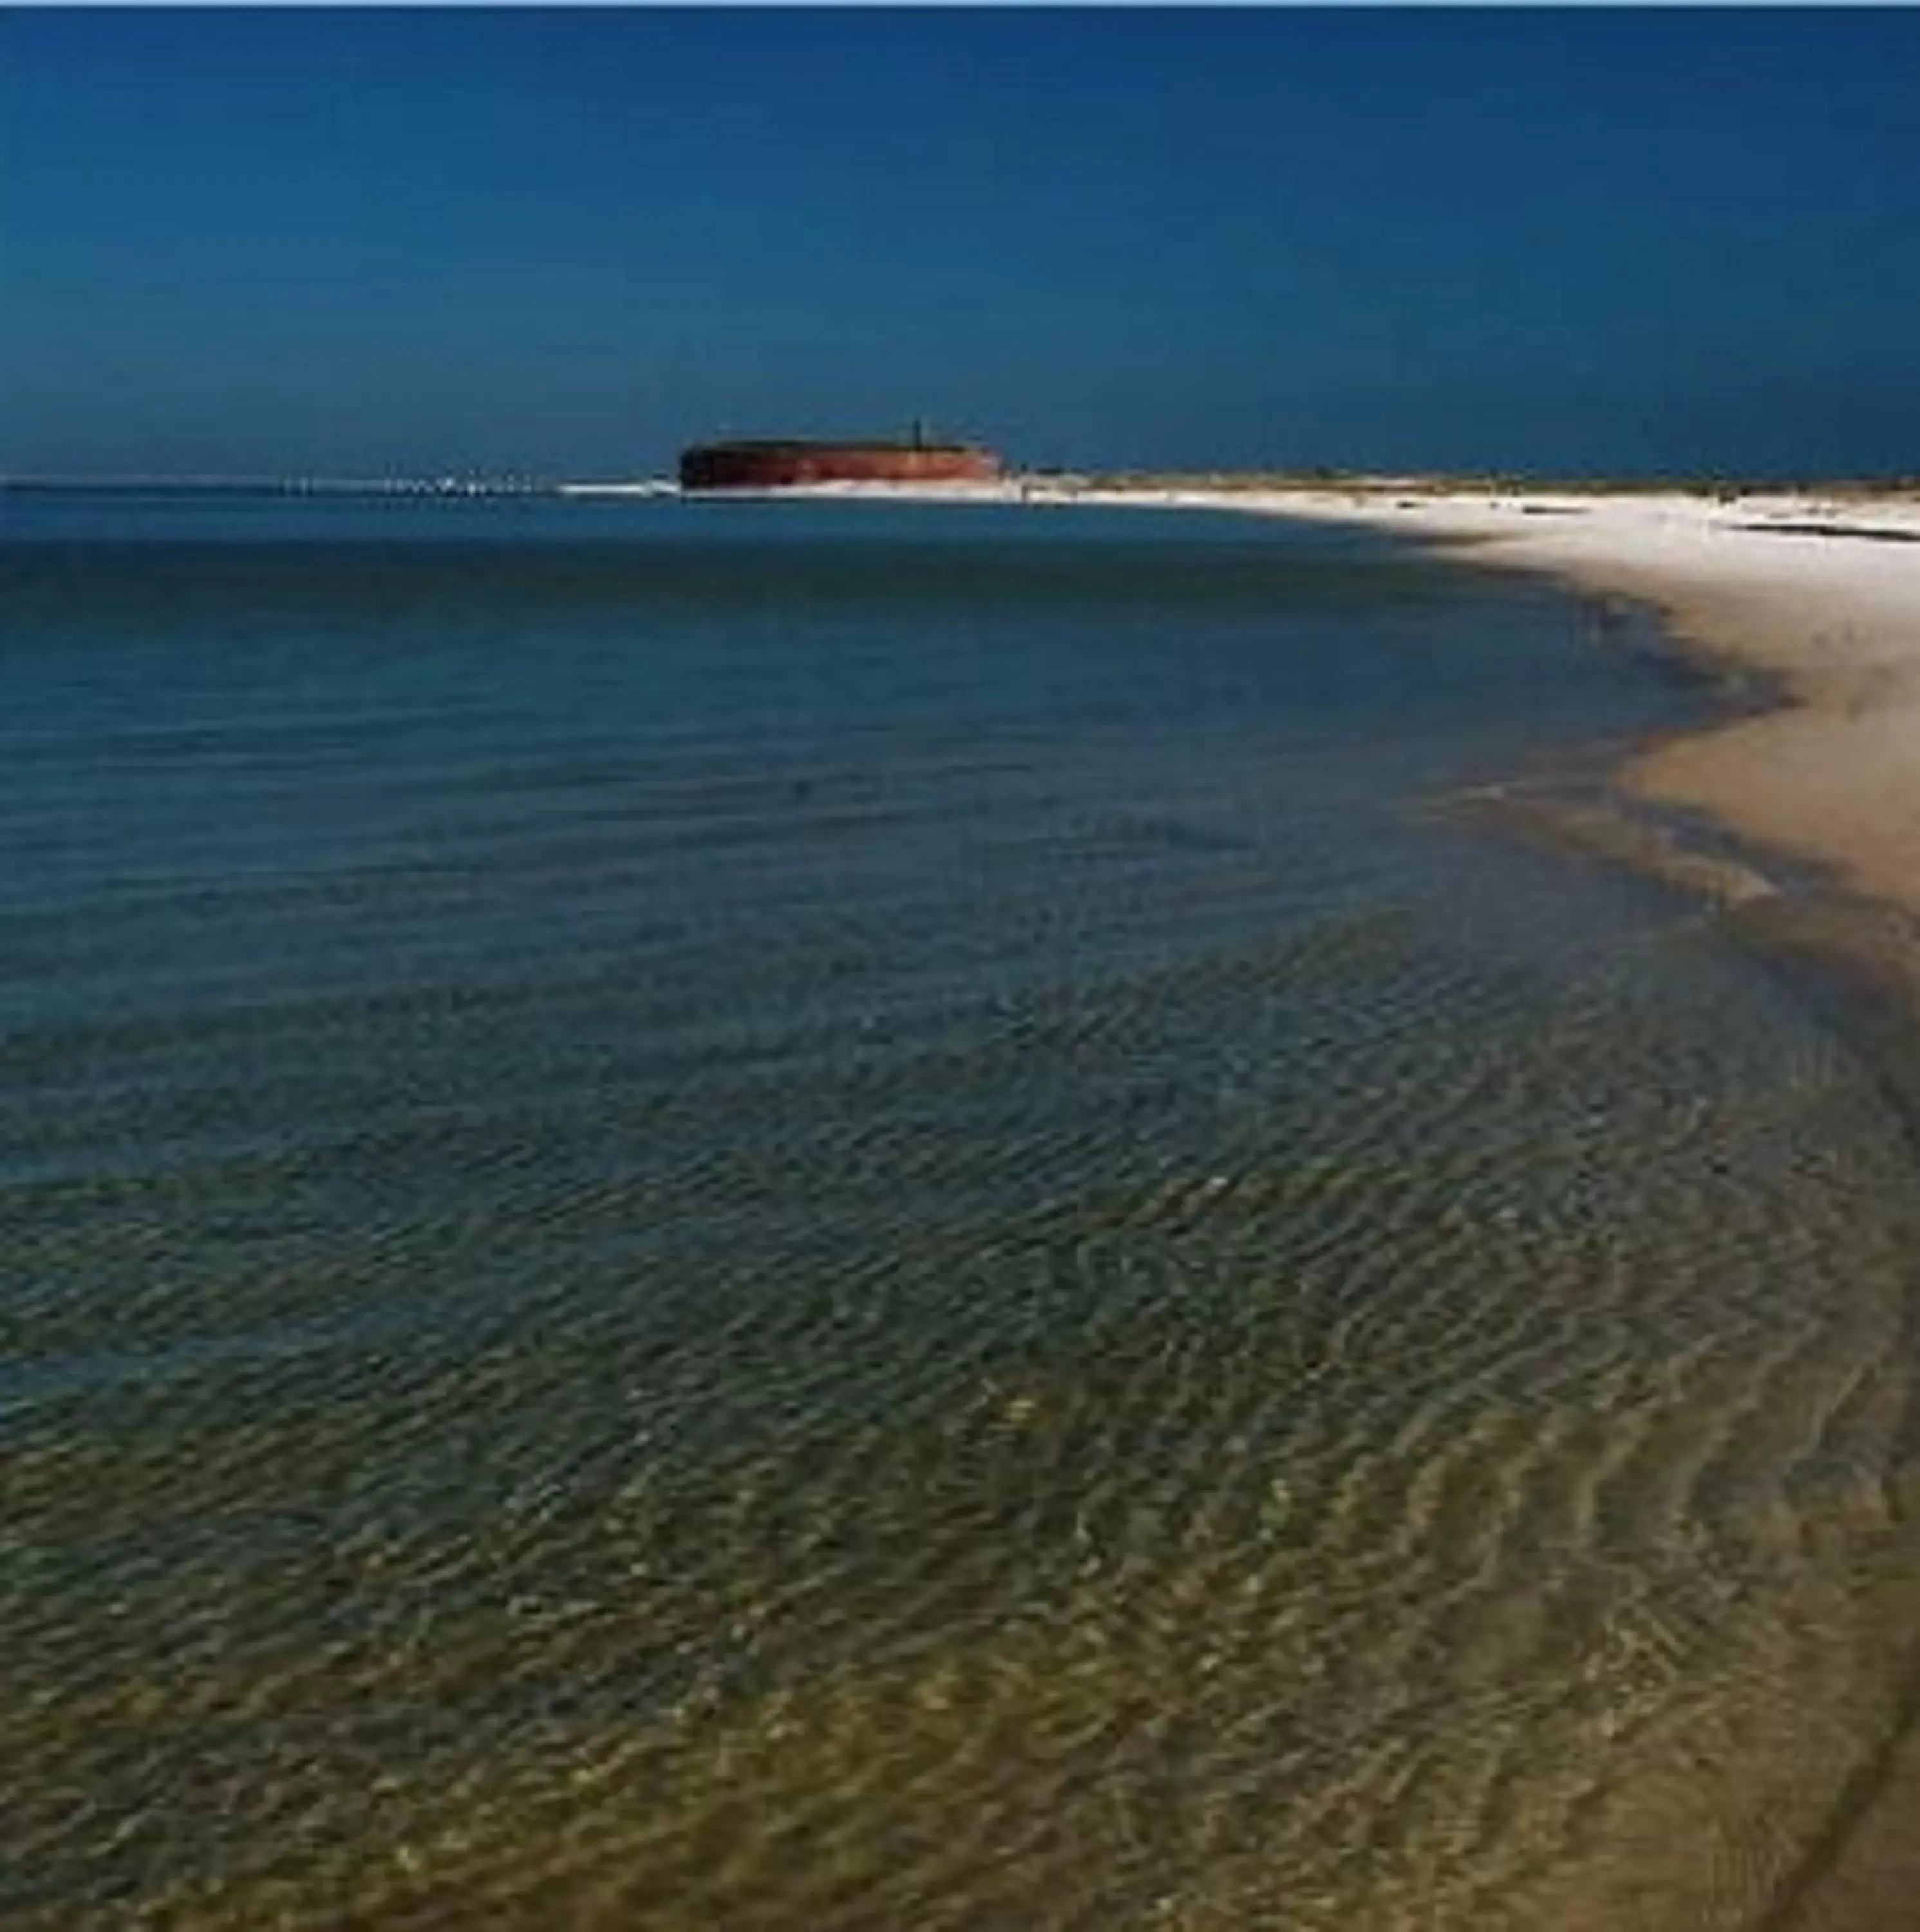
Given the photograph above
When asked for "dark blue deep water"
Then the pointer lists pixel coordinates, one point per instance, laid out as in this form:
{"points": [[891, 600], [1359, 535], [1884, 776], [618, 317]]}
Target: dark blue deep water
{"points": [[777, 1216]]}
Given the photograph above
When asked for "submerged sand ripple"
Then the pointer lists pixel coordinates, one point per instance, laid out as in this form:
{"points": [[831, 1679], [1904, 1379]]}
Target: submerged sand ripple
{"points": [[1430, 1516]]}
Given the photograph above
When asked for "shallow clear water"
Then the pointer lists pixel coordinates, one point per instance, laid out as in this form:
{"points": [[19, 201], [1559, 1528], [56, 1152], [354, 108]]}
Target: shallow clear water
{"points": [[775, 1217]]}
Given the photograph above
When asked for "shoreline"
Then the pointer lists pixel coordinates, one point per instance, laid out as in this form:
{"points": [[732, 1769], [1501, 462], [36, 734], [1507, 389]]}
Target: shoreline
{"points": [[1809, 603], [1821, 598], [1820, 601]]}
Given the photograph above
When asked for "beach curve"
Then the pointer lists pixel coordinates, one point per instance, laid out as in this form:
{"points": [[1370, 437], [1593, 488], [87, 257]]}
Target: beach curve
{"points": [[1819, 595]]}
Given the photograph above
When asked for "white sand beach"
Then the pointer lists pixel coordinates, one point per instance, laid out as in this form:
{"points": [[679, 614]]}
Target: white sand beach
{"points": [[1820, 592]]}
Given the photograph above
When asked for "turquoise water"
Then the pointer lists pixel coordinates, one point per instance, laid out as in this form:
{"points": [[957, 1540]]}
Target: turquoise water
{"points": [[777, 1216]]}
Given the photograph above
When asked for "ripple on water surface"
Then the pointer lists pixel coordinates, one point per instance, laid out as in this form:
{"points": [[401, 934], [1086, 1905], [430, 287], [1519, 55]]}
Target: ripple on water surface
{"points": [[1078, 1329]]}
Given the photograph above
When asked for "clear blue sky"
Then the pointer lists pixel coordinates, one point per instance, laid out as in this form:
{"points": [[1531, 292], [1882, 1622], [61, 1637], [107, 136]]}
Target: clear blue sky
{"points": [[568, 242]]}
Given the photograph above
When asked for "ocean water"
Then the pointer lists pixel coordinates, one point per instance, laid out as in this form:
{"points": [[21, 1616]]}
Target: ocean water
{"points": [[778, 1216]]}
